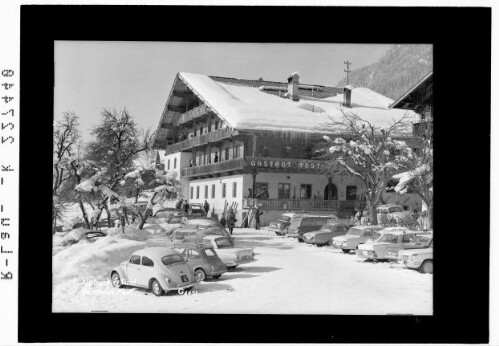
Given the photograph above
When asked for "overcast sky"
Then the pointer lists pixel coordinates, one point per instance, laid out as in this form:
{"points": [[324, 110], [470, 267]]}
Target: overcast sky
{"points": [[90, 76]]}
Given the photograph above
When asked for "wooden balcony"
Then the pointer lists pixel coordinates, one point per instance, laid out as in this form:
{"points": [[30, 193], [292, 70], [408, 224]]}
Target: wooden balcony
{"points": [[192, 114], [214, 168], [209, 137]]}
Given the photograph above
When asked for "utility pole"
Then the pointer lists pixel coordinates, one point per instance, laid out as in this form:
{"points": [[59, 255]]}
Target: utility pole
{"points": [[348, 63]]}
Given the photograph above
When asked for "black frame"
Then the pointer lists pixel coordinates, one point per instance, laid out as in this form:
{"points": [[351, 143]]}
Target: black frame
{"points": [[460, 310]]}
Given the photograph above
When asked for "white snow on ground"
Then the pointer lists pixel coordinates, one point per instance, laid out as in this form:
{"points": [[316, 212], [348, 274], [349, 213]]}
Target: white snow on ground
{"points": [[250, 108], [287, 278]]}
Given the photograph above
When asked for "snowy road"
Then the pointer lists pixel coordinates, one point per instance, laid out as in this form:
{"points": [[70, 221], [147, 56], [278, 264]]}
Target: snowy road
{"points": [[287, 278]]}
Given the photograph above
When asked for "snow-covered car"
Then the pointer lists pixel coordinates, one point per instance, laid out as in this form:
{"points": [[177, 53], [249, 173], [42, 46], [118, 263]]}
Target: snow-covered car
{"points": [[231, 255], [159, 269], [355, 236], [181, 234], [281, 225], [391, 236], [304, 223], [325, 235], [393, 214], [418, 242], [420, 259], [203, 260]]}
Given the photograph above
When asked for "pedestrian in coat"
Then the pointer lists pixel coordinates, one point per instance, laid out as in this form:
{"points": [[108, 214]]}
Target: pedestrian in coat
{"points": [[222, 221], [231, 221], [206, 207], [179, 204], [257, 218], [186, 207]]}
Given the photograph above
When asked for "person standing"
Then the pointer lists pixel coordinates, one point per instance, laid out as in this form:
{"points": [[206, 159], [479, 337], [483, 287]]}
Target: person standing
{"points": [[179, 204], [257, 218], [215, 160], [186, 206], [206, 207], [231, 221]]}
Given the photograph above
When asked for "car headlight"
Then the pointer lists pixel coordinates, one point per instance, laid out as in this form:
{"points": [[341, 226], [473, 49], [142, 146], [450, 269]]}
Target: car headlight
{"points": [[167, 279]]}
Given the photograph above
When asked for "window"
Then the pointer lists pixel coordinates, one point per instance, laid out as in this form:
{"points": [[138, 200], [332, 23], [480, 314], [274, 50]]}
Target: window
{"points": [[147, 262], [206, 192], [170, 259], [305, 191], [307, 222], [260, 187], [236, 152], [223, 190], [368, 233], [407, 238], [222, 242], [200, 130], [234, 189], [192, 192], [168, 164], [175, 163], [283, 191], [210, 252], [135, 259], [216, 125], [395, 209], [226, 153], [197, 192], [265, 151], [212, 190], [193, 254], [351, 193]]}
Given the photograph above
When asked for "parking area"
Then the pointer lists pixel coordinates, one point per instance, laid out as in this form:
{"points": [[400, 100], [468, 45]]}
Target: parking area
{"points": [[287, 277]]}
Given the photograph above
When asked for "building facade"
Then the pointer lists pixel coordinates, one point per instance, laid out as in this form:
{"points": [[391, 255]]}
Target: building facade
{"points": [[231, 139]]}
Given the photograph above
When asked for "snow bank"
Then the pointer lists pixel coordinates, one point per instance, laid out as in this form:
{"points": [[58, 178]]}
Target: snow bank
{"points": [[92, 260]]}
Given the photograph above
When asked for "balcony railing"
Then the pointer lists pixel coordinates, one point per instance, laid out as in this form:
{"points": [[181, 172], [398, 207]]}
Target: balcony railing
{"points": [[423, 128], [200, 140], [292, 204], [214, 168], [193, 114]]}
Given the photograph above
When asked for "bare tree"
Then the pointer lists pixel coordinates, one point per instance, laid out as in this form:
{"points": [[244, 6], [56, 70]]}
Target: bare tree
{"points": [[65, 137], [359, 148]]}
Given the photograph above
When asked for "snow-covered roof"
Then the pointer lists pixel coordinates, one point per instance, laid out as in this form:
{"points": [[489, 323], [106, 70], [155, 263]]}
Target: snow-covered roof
{"points": [[248, 108]]}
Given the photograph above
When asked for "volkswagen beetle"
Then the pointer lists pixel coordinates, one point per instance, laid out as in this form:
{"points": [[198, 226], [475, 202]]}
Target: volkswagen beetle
{"points": [[159, 269]]}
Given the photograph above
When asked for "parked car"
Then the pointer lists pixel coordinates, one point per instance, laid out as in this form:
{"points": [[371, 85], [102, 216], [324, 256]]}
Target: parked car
{"points": [[197, 209], [418, 242], [203, 260], [355, 236], [391, 236], [420, 259], [230, 254], [304, 223], [181, 234], [281, 225], [325, 235], [394, 214], [164, 215], [159, 269]]}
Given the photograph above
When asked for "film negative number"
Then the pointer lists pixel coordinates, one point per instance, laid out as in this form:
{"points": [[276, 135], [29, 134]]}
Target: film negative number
{"points": [[4, 126], [11, 111], [6, 139], [7, 73]]}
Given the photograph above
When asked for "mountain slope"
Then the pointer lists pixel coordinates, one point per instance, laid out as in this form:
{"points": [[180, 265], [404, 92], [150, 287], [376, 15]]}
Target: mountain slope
{"points": [[398, 70]]}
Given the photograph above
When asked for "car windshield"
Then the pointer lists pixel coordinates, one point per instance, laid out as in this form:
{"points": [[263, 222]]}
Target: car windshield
{"points": [[170, 259], [223, 242], [210, 253], [388, 238], [285, 218], [176, 219], [354, 231]]}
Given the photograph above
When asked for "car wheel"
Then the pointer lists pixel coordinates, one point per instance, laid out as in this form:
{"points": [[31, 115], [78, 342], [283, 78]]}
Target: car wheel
{"points": [[156, 288], [217, 276], [427, 267], [200, 275], [345, 250], [116, 280]]}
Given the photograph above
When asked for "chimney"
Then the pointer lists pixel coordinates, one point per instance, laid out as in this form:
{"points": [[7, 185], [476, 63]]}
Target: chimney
{"points": [[347, 96], [293, 86]]}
